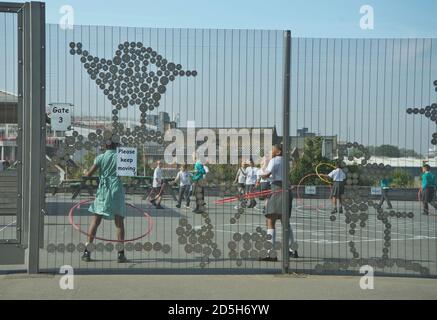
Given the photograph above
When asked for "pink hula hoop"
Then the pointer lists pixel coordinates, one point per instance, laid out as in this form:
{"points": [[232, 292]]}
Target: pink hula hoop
{"points": [[77, 228]]}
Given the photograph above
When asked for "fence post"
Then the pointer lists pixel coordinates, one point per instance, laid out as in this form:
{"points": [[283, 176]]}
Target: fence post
{"points": [[34, 129], [286, 152]]}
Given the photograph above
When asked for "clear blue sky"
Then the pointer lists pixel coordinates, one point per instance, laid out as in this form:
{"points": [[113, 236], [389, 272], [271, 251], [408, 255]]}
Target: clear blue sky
{"points": [[306, 18]]}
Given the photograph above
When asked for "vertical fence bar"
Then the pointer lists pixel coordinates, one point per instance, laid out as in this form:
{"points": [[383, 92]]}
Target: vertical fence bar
{"points": [[34, 148], [286, 155]]}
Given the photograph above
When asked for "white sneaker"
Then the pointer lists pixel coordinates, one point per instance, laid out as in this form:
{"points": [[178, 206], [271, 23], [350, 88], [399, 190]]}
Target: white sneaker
{"points": [[187, 207], [237, 207]]}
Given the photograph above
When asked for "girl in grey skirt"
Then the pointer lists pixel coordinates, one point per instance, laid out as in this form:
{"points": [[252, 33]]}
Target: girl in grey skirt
{"points": [[274, 203], [338, 176]]}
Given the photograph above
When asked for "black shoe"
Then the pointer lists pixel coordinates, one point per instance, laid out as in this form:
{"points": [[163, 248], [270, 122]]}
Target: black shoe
{"points": [[153, 202], [334, 211], [86, 257], [341, 210], [293, 254], [269, 259], [121, 258], [178, 206]]}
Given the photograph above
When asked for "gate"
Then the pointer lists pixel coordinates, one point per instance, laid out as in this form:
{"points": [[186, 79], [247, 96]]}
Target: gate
{"points": [[22, 131]]}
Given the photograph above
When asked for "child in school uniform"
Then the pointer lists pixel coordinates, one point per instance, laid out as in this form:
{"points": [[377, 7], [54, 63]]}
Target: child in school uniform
{"points": [[240, 178], [385, 188], [338, 176], [428, 188], [184, 178], [157, 186], [251, 176], [110, 198], [198, 185], [273, 210], [263, 183]]}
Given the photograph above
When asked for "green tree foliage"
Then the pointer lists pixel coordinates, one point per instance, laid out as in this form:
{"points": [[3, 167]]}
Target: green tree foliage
{"points": [[222, 172], [307, 163], [402, 179]]}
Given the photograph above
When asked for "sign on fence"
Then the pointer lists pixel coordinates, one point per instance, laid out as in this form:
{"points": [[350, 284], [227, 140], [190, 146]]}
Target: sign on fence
{"points": [[126, 162], [375, 191], [60, 116], [311, 190]]}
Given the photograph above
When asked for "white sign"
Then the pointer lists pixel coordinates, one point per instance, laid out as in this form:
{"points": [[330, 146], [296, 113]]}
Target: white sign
{"points": [[311, 190], [126, 162], [60, 117], [375, 191]]}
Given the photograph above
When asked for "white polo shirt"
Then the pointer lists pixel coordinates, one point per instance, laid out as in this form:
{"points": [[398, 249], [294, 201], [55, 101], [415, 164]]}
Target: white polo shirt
{"points": [[337, 175], [184, 178], [241, 176], [275, 168], [157, 178], [251, 175]]}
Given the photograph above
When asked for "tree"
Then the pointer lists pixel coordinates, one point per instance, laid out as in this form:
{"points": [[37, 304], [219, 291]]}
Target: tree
{"points": [[402, 179], [312, 156]]}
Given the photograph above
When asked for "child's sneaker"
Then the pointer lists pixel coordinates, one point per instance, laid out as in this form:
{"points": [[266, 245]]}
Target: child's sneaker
{"points": [[86, 257], [121, 258]]}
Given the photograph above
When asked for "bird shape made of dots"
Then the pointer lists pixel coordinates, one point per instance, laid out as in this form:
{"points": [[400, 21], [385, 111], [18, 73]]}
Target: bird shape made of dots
{"points": [[127, 79]]}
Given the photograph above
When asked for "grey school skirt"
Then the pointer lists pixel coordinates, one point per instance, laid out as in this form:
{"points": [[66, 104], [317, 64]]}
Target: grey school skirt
{"points": [[274, 203], [337, 189]]}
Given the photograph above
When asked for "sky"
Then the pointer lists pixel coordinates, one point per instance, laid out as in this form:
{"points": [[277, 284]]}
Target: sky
{"points": [[305, 18]]}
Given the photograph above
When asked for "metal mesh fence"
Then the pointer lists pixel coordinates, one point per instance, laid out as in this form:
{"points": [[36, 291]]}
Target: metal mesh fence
{"points": [[370, 103], [137, 86], [8, 128]]}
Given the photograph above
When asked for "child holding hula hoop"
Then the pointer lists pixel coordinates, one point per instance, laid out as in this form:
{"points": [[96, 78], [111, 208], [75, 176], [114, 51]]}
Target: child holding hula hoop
{"points": [[338, 176], [110, 198]]}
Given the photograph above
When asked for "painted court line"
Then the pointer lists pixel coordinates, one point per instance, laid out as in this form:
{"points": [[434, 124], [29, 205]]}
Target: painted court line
{"points": [[7, 226]]}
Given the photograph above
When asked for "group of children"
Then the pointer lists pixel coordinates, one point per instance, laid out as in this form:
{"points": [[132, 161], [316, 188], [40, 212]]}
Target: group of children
{"points": [[250, 177], [110, 197], [427, 189], [189, 183]]}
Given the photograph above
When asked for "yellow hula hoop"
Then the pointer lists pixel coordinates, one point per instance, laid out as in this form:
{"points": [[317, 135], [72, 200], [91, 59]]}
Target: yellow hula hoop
{"points": [[319, 175]]}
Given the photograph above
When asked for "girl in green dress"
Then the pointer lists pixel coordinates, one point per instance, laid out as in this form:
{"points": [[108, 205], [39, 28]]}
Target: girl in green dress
{"points": [[110, 200]]}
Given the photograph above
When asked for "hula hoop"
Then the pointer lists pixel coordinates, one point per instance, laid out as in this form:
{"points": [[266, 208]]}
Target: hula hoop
{"points": [[252, 195], [77, 228], [318, 208], [321, 175]]}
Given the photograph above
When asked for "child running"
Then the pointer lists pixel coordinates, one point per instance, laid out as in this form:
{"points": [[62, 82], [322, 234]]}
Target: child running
{"points": [[385, 188], [338, 176], [274, 204], [428, 189], [184, 178], [110, 198]]}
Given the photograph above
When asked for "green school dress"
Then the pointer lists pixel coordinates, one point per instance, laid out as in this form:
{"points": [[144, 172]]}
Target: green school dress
{"points": [[110, 200]]}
